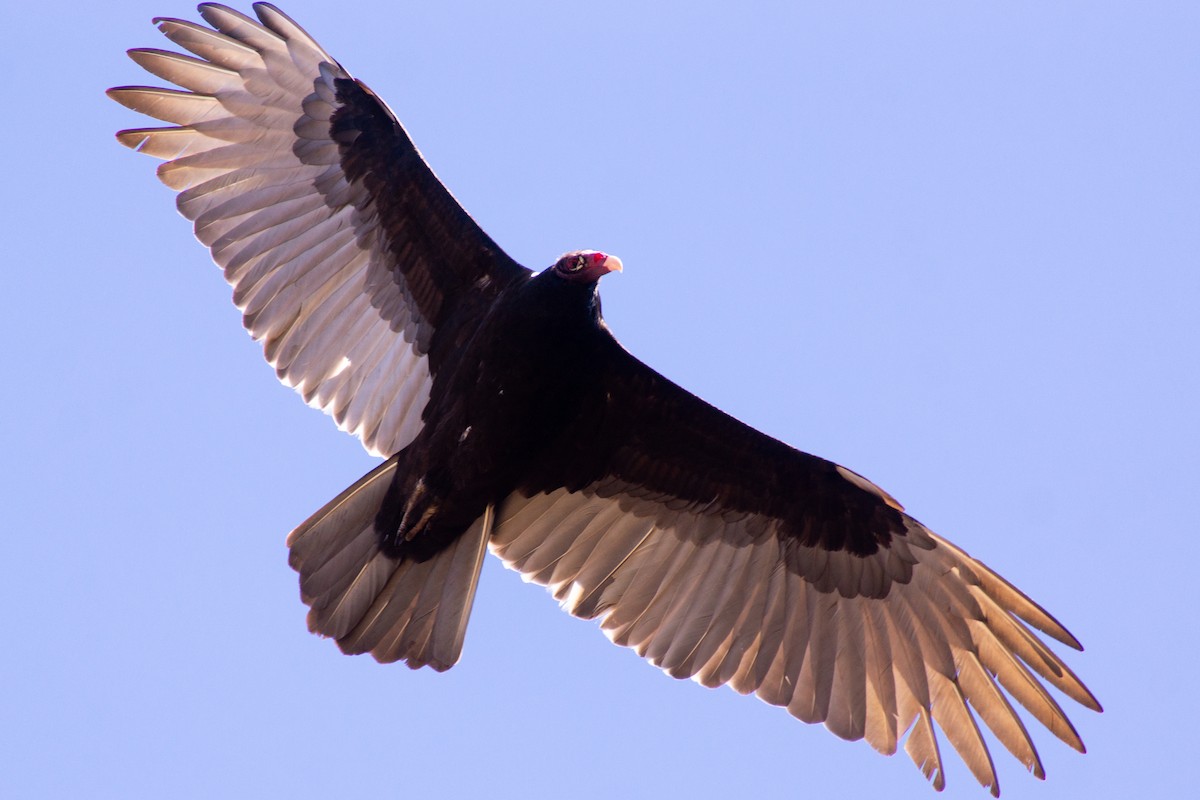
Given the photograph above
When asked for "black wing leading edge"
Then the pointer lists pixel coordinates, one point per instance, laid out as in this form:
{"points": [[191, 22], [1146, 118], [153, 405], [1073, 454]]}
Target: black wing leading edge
{"points": [[350, 261]]}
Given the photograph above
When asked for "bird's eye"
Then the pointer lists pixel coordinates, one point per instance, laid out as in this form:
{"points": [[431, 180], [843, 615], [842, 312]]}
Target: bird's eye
{"points": [[577, 264]]}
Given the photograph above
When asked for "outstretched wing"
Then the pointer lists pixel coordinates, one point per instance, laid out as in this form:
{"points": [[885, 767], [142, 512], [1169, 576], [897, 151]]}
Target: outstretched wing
{"points": [[725, 556], [353, 265]]}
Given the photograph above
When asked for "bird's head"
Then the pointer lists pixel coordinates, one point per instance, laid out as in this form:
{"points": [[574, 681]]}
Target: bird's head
{"points": [[586, 266]]}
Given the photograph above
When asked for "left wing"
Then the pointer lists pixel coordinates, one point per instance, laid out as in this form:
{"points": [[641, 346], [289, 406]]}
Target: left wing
{"points": [[352, 264], [725, 556]]}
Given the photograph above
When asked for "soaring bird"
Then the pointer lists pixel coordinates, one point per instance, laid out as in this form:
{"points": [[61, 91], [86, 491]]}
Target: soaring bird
{"points": [[511, 419]]}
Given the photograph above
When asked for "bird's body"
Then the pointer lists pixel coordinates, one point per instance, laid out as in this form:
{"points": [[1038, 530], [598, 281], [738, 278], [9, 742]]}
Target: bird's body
{"points": [[510, 418], [520, 379]]}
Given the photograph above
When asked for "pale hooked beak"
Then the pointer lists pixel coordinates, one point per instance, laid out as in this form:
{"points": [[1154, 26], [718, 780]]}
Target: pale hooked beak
{"points": [[598, 265], [613, 264]]}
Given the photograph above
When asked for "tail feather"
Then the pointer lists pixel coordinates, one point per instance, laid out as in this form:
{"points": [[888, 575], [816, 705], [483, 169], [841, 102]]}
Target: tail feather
{"points": [[409, 610]]}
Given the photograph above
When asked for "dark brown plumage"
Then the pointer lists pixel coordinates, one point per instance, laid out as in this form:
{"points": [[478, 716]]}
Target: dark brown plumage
{"points": [[511, 418]]}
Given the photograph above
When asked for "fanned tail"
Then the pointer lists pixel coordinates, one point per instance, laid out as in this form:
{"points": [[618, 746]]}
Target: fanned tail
{"points": [[394, 609]]}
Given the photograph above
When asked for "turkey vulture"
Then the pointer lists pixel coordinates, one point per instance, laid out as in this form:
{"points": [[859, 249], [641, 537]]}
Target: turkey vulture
{"points": [[510, 418]]}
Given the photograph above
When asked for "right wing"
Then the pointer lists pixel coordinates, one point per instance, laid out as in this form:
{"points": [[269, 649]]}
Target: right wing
{"points": [[723, 555]]}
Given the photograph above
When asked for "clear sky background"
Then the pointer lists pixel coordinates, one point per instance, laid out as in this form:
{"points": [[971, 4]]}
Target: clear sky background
{"points": [[953, 246]]}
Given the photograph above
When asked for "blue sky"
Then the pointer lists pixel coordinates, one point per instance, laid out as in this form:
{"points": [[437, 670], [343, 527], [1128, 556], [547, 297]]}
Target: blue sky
{"points": [[952, 246]]}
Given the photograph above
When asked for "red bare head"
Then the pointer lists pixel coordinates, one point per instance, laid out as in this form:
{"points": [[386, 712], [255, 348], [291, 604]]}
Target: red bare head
{"points": [[586, 266]]}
